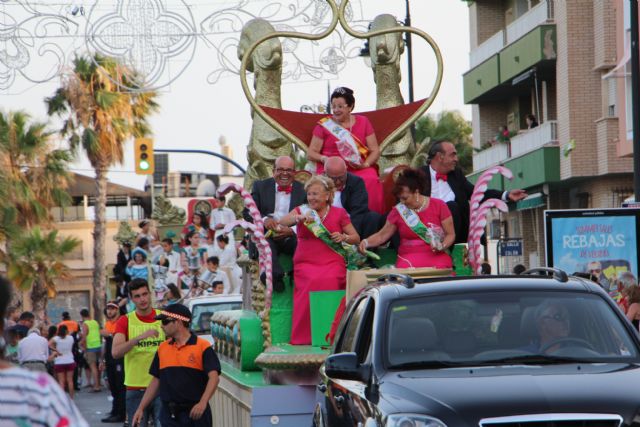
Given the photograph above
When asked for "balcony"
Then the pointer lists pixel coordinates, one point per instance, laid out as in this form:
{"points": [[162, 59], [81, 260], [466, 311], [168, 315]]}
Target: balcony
{"points": [[530, 140], [487, 49], [540, 14], [490, 157]]}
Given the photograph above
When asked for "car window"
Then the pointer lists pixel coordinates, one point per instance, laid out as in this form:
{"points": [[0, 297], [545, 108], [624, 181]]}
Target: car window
{"points": [[201, 316], [346, 342], [502, 326]]}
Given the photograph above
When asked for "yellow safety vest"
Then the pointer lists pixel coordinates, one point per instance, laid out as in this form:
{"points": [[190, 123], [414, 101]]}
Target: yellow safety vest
{"points": [[138, 360], [93, 335]]}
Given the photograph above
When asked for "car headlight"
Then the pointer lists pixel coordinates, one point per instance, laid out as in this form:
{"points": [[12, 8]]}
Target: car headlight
{"points": [[413, 420]]}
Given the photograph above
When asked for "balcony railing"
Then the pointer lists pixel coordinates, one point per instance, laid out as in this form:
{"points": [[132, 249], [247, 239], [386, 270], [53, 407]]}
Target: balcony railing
{"points": [[546, 133], [490, 156], [537, 15], [487, 49]]}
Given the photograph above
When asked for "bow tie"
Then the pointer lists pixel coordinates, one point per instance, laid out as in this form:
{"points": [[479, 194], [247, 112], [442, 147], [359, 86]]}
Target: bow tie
{"points": [[282, 189], [441, 177]]}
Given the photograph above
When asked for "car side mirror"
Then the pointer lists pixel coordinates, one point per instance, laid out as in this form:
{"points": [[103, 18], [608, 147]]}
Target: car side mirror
{"points": [[345, 366]]}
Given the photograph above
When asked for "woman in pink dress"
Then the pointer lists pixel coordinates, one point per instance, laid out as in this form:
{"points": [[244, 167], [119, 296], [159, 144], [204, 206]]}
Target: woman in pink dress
{"points": [[414, 251], [352, 138], [317, 267]]}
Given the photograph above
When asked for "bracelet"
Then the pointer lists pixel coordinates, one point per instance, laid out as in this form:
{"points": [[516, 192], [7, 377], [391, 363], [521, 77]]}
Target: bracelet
{"points": [[366, 243]]}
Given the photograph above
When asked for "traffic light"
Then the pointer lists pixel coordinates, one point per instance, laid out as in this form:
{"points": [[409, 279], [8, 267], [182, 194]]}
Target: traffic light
{"points": [[143, 151]]}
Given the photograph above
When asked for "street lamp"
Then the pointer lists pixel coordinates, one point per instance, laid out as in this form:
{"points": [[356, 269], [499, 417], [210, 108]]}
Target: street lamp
{"points": [[635, 97]]}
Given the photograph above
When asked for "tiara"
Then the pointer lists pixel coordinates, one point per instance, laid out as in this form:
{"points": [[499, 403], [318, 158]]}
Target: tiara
{"points": [[340, 91]]}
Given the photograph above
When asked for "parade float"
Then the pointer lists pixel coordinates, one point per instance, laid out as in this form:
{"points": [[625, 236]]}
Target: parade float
{"points": [[265, 380]]}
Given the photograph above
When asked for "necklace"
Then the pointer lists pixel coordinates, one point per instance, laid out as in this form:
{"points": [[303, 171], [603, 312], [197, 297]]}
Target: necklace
{"points": [[322, 218], [424, 202]]}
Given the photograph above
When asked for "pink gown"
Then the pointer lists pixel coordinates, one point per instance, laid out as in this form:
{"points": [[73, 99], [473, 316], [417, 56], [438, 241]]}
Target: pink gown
{"points": [[316, 267], [413, 251], [361, 129]]}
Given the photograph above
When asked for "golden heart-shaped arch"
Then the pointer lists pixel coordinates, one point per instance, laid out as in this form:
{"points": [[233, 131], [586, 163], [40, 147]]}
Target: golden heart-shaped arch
{"points": [[338, 16]]}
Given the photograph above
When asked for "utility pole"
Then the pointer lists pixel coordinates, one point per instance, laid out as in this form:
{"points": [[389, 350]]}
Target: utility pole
{"points": [[407, 23], [635, 98]]}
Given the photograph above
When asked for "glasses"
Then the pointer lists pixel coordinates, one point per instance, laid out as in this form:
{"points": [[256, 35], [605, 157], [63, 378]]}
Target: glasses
{"points": [[282, 170], [558, 317], [595, 271], [165, 322]]}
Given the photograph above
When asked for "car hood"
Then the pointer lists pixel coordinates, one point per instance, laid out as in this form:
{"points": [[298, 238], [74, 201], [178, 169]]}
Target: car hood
{"points": [[463, 396]]}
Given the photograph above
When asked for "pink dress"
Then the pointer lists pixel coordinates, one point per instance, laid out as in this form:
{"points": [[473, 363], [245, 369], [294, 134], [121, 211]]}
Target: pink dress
{"points": [[316, 267], [413, 251], [361, 129]]}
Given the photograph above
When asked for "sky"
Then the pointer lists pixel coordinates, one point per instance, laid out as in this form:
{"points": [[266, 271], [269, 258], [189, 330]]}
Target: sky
{"points": [[194, 113]]}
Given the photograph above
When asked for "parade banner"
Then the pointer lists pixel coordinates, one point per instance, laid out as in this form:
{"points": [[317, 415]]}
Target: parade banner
{"points": [[603, 242]]}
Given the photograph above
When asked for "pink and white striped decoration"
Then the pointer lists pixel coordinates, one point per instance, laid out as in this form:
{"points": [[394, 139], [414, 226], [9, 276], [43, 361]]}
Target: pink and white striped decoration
{"points": [[257, 235], [478, 213]]}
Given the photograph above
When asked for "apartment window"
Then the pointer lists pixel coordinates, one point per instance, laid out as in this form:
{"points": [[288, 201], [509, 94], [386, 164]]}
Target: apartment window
{"points": [[611, 103]]}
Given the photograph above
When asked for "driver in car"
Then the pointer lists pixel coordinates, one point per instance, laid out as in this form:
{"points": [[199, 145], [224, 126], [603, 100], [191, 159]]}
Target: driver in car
{"points": [[553, 323]]}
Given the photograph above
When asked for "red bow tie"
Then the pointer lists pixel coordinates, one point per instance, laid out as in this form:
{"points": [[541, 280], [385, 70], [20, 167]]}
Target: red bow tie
{"points": [[282, 189], [441, 177]]}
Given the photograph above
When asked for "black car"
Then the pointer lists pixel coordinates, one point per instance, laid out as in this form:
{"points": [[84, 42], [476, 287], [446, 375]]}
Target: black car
{"points": [[494, 351]]}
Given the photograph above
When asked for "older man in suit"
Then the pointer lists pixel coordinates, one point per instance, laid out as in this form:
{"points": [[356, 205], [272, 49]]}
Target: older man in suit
{"points": [[448, 183], [275, 198], [351, 194]]}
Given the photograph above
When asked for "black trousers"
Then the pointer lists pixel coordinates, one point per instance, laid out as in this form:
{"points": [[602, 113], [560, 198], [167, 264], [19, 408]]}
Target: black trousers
{"points": [[182, 418], [278, 246], [115, 376]]}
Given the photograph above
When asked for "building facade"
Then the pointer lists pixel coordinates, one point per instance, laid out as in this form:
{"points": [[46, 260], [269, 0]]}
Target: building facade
{"points": [[553, 60]]}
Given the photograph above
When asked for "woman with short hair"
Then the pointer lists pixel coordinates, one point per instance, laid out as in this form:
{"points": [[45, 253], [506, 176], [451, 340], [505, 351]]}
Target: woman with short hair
{"points": [[319, 263]]}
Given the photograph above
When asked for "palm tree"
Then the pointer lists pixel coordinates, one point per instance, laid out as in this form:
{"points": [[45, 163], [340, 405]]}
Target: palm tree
{"points": [[37, 263], [34, 177], [100, 118]]}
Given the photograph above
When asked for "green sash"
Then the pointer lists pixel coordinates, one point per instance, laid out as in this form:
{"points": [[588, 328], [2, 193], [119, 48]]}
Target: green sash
{"points": [[431, 235], [352, 258]]}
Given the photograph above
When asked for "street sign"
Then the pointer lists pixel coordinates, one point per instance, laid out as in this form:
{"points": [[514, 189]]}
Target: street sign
{"points": [[510, 247]]}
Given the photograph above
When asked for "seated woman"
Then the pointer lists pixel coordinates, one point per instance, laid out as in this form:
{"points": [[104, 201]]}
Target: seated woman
{"points": [[352, 138], [199, 224], [319, 263], [415, 218]]}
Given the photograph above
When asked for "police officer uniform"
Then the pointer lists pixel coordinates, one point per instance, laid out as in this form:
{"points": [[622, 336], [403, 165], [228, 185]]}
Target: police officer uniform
{"points": [[183, 373]]}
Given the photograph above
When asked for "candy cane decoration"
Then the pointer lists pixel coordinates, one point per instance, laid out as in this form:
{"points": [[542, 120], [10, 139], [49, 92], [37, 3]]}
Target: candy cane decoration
{"points": [[264, 251], [249, 203], [477, 228], [481, 187], [265, 260]]}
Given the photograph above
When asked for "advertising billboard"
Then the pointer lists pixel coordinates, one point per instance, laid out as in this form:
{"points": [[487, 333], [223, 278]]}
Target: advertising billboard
{"points": [[603, 242]]}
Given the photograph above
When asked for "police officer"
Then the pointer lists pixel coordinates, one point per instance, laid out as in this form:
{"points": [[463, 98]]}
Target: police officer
{"points": [[185, 374]]}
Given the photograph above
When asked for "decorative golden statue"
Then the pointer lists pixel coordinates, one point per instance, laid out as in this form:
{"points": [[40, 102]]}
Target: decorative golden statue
{"points": [[266, 144], [386, 51]]}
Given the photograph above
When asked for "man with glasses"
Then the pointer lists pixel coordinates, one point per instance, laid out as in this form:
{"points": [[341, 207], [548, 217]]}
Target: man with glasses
{"points": [[185, 374], [137, 337], [351, 195], [275, 198]]}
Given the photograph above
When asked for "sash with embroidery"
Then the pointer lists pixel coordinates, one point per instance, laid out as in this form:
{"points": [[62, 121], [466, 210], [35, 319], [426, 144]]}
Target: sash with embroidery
{"points": [[352, 258], [431, 235], [351, 149]]}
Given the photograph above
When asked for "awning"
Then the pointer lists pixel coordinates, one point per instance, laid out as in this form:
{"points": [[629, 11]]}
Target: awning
{"points": [[618, 70], [532, 201]]}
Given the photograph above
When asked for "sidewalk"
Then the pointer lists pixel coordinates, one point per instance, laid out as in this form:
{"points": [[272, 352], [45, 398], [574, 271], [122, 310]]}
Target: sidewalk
{"points": [[94, 406]]}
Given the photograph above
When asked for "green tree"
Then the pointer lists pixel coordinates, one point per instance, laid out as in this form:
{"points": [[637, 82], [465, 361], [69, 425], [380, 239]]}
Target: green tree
{"points": [[37, 263], [449, 126], [34, 178], [99, 119]]}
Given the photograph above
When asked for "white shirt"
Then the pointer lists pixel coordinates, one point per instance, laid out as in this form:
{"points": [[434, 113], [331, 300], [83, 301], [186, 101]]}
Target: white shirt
{"points": [[222, 216], [440, 189], [174, 260], [64, 347], [219, 275], [33, 348], [283, 201], [336, 199], [227, 256]]}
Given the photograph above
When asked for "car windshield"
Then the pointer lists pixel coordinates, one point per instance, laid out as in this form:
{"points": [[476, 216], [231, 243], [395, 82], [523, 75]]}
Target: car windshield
{"points": [[506, 328], [201, 322]]}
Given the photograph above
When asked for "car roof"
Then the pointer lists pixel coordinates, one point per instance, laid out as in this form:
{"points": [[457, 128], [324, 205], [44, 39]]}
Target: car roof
{"points": [[206, 299], [399, 288]]}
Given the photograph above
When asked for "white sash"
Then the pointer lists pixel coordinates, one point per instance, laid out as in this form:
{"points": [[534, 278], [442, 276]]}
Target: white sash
{"points": [[347, 146]]}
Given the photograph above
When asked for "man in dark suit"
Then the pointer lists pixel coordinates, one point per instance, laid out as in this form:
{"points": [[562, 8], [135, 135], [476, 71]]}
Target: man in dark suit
{"points": [[351, 195], [275, 198], [448, 183]]}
